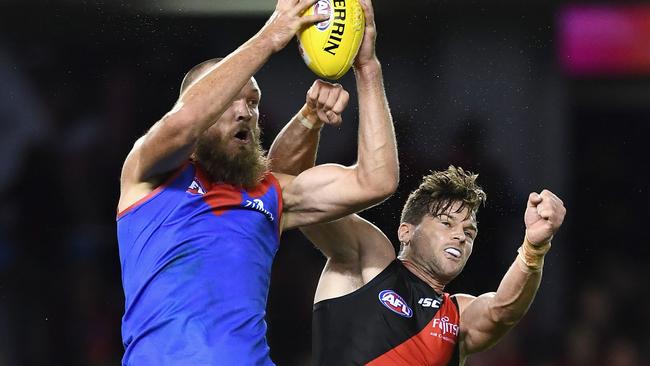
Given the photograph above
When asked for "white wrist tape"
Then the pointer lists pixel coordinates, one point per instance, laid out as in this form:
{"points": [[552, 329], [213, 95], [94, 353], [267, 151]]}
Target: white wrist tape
{"points": [[307, 123], [533, 255]]}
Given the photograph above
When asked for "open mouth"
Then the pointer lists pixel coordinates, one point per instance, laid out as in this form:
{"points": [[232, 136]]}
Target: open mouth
{"points": [[243, 136], [453, 252]]}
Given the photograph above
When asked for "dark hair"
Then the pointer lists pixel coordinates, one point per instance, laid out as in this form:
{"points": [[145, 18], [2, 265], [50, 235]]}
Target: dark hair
{"points": [[197, 71], [439, 191]]}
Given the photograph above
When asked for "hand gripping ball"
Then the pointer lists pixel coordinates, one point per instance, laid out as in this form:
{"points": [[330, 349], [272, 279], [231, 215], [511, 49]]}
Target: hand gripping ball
{"points": [[329, 47]]}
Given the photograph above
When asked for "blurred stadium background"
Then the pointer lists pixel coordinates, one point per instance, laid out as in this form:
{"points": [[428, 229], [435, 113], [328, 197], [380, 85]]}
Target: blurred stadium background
{"points": [[530, 95]]}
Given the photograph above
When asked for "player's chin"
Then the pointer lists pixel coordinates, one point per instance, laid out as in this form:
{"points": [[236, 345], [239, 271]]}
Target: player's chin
{"points": [[453, 270], [235, 146]]}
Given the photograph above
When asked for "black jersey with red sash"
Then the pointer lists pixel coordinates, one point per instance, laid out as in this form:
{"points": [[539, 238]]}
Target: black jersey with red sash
{"points": [[395, 319]]}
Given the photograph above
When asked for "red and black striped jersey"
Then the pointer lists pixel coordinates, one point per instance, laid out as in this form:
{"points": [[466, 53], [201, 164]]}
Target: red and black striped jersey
{"points": [[395, 319]]}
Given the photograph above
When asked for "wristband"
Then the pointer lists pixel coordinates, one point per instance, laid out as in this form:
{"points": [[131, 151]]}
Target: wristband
{"points": [[307, 123], [533, 255]]}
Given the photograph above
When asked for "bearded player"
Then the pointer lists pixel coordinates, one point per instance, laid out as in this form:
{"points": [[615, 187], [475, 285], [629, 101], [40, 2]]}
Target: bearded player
{"points": [[200, 214]]}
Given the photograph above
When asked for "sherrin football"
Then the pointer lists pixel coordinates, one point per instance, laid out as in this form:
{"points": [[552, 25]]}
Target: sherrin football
{"points": [[329, 47]]}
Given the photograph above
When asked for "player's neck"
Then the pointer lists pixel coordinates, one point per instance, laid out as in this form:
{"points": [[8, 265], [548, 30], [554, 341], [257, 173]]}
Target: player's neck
{"points": [[423, 274]]}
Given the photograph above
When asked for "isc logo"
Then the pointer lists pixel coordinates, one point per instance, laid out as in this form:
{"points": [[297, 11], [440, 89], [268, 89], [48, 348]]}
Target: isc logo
{"points": [[395, 303], [428, 302]]}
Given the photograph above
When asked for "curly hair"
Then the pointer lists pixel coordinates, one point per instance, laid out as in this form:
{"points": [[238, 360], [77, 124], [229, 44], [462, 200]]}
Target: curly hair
{"points": [[439, 191]]}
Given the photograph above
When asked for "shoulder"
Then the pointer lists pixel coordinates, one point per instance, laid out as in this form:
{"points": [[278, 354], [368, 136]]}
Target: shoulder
{"points": [[462, 300], [132, 193]]}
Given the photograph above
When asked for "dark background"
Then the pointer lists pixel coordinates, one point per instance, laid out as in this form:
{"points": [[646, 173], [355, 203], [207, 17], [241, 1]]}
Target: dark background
{"points": [[476, 84]]}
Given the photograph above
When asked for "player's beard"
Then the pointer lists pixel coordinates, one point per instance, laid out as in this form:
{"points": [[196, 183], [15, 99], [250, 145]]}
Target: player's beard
{"points": [[244, 168]]}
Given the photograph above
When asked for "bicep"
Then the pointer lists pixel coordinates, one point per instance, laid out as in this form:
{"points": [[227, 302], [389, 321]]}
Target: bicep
{"points": [[479, 328], [164, 148], [325, 192]]}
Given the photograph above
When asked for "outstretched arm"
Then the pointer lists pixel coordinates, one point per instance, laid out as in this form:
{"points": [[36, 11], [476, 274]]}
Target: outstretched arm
{"points": [[169, 143], [331, 191], [485, 319], [356, 250]]}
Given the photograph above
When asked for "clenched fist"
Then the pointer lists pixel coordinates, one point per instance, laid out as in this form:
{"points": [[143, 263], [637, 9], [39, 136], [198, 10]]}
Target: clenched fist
{"points": [[326, 102], [543, 217]]}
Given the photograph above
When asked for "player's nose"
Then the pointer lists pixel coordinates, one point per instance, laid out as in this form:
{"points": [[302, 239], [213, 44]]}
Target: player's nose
{"points": [[242, 112]]}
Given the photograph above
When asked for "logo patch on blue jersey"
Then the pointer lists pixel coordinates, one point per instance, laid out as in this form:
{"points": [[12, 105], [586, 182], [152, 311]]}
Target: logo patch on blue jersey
{"points": [[395, 303], [196, 188], [258, 205]]}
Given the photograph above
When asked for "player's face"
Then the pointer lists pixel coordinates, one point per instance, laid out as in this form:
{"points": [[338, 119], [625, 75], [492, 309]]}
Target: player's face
{"points": [[230, 150], [444, 243], [237, 130]]}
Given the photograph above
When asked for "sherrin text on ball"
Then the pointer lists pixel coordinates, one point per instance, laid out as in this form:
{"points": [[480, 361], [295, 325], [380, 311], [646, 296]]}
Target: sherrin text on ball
{"points": [[329, 47]]}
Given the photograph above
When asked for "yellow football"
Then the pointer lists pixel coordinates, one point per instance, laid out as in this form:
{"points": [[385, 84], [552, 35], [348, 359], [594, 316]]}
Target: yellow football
{"points": [[329, 47]]}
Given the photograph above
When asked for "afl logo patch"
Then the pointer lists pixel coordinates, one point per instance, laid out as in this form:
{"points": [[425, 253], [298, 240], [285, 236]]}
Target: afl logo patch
{"points": [[196, 187], [395, 303], [321, 8]]}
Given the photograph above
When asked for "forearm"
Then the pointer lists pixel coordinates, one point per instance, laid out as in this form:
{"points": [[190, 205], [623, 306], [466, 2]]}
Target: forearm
{"points": [[172, 139], [377, 165], [517, 289], [210, 95], [294, 148]]}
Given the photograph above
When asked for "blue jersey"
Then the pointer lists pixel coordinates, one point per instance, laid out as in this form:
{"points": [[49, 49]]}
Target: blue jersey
{"points": [[196, 260]]}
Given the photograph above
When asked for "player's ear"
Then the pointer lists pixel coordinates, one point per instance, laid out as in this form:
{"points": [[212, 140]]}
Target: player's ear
{"points": [[405, 232]]}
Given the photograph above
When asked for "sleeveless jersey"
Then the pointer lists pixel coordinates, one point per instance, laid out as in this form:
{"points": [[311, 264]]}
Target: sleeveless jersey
{"points": [[196, 260], [395, 319]]}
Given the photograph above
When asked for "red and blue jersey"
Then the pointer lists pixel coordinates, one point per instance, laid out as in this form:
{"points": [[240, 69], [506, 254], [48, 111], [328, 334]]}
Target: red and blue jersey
{"points": [[196, 260]]}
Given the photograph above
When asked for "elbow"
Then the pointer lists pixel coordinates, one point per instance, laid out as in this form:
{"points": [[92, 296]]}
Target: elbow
{"points": [[392, 183], [386, 190], [380, 177], [383, 186], [379, 191]]}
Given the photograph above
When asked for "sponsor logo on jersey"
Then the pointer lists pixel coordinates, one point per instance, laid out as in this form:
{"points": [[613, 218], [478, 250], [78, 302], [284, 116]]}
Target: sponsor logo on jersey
{"points": [[444, 329], [395, 303], [428, 302], [196, 188], [258, 205]]}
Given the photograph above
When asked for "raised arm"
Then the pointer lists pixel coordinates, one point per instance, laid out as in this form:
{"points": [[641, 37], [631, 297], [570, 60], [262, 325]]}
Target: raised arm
{"points": [[330, 191], [485, 319], [355, 248], [169, 143]]}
